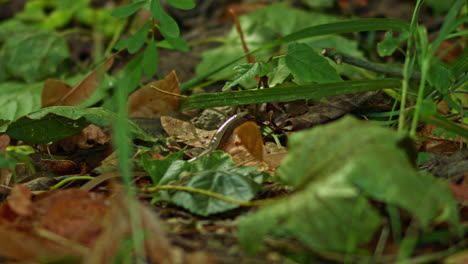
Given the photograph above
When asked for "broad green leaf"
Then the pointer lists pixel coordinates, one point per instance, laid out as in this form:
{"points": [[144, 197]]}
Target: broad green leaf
{"points": [[216, 173], [229, 183], [262, 32], [357, 157], [169, 27], [182, 4], [336, 168], [157, 168], [308, 66], [278, 93], [33, 56], [53, 123], [128, 10], [390, 43], [175, 43], [18, 99], [279, 74], [167, 24], [328, 216], [138, 39], [150, 59], [247, 71], [440, 6], [440, 76]]}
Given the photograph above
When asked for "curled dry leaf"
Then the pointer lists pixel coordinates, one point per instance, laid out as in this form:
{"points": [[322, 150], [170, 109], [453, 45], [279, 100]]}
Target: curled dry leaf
{"points": [[57, 223], [19, 200], [76, 223], [56, 92], [116, 229], [155, 98], [89, 137], [186, 133]]}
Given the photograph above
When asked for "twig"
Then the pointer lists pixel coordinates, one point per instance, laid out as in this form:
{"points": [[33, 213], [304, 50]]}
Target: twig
{"points": [[339, 57]]}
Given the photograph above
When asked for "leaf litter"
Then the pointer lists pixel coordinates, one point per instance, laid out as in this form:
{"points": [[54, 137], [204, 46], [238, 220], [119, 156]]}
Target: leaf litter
{"points": [[336, 203]]}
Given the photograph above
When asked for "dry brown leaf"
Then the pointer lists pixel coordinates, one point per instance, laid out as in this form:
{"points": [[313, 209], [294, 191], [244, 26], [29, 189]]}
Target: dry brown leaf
{"points": [[149, 101], [56, 92], [77, 223], [117, 228], [19, 200], [346, 3], [4, 142], [250, 136], [186, 133], [89, 137], [56, 224]]}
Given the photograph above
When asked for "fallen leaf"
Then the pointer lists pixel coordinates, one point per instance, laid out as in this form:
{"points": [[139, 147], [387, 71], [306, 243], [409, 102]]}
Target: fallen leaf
{"points": [[346, 3], [250, 136], [56, 92], [186, 133], [155, 98], [117, 228], [89, 137], [4, 142], [460, 191], [57, 223], [20, 200]]}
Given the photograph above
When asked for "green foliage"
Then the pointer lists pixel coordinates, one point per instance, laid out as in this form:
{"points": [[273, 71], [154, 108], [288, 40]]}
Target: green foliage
{"points": [[248, 71], [390, 43], [308, 66], [18, 99], [263, 26], [53, 123], [284, 93], [33, 56], [216, 173], [334, 174]]}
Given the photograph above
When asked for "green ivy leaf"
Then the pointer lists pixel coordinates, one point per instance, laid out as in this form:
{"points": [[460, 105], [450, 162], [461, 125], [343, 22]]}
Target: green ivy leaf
{"points": [[308, 66], [128, 10], [150, 59], [138, 39], [182, 4], [216, 173], [229, 183], [32, 55]]}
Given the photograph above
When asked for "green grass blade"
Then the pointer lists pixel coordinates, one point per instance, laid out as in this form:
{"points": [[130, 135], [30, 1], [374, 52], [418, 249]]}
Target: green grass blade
{"points": [[357, 25], [311, 91], [443, 122]]}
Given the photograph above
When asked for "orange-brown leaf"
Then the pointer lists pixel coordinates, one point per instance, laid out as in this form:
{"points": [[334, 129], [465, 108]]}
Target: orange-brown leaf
{"points": [[19, 200], [59, 93], [250, 136], [155, 98]]}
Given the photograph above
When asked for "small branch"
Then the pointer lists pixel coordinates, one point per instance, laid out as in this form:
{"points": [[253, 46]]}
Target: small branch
{"points": [[339, 57]]}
